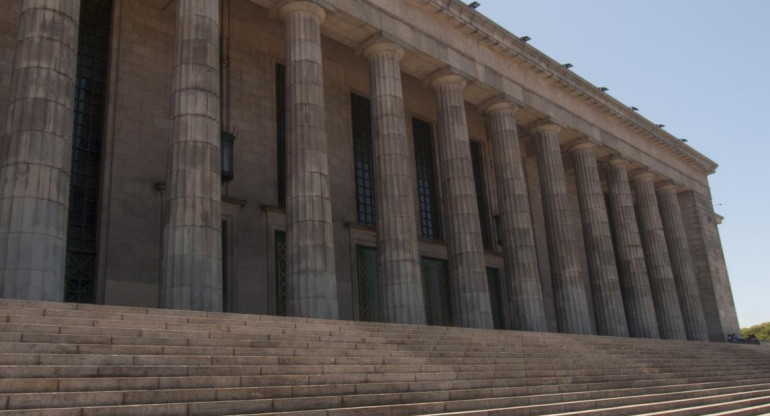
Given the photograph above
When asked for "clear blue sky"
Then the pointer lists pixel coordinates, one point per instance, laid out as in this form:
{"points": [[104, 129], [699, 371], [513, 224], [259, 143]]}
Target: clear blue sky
{"points": [[699, 67]]}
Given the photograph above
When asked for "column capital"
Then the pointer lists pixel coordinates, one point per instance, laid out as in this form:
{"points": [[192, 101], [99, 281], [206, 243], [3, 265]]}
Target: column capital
{"points": [[498, 103], [544, 125], [617, 160], [642, 175], [581, 146], [667, 185], [445, 76], [379, 44], [287, 7]]}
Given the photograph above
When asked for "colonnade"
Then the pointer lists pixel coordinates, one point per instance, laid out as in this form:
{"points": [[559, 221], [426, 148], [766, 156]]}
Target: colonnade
{"points": [[642, 278]]}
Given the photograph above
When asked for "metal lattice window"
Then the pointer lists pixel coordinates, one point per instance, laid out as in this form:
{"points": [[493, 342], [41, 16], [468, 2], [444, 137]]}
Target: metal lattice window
{"points": [[436, 292], [481, 194], [430, 224], [280, 123], [360, 109], [368, 284], [495, 288], [280, 273], [88, 132]]}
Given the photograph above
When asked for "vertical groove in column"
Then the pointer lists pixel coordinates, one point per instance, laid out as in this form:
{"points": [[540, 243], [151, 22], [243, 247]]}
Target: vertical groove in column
{"points": [[465, 249], [310, 275], [36, 152], [519, 252], [605, 283], [192, 252], [640, 309], [681, 263], [662, 283], [398, 255], [572, 311]]}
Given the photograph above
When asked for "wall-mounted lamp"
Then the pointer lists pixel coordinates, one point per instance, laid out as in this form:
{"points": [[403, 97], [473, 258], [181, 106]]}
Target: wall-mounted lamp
{"points": [[227, 140]]}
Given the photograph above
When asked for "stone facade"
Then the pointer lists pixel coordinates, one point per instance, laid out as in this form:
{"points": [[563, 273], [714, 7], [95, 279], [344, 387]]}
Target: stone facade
{"points": [[531, 177]]}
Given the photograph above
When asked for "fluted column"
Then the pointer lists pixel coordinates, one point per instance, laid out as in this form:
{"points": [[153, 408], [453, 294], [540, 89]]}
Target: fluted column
{"points": [[572, 313], [662, 283], [519, 253], [310, 278], [605, 284], [465, 249], [192, 245], [398, 254], [681, 263], [36, 152], [640, 309]]}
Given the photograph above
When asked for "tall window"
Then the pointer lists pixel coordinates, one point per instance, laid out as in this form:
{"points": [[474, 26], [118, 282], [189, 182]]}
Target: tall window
{"points": [[430, 224], [280, 123], [369, 308], [481, 195], [436, 292], [88, 132], [360, 109], [495, 286]]}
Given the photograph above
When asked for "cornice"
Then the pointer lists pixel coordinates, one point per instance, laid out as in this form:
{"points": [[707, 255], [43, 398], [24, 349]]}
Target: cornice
{"points": [[475, 25]]}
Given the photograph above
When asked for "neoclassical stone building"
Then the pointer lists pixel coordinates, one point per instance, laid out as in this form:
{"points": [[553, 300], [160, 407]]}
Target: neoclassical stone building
{"points": [[403, 161]]}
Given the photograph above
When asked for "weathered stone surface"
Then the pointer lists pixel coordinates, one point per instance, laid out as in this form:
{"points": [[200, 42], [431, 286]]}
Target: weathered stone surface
{"points": [[192, 249], [670, 322], [605, 284], [398, 254], [465, 249], [519, 253], [681, 263], [36, 151], [310, 278], [572, 311], [640, 309]]}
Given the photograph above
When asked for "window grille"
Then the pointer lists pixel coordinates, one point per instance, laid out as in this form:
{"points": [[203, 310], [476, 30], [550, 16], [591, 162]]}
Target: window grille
{"points": [[495, 288], [88, 131], [436, 292], [364, 161], [369, 307], [280, 273], [481, 195], [430, 224], [280, 123]]}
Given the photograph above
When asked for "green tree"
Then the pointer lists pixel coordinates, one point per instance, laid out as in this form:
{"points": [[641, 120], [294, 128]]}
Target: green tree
{"points": [[761, 331]]}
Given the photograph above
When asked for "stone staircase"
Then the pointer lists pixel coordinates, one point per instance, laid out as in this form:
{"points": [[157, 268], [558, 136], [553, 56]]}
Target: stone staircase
{"points": [[87, 360]]}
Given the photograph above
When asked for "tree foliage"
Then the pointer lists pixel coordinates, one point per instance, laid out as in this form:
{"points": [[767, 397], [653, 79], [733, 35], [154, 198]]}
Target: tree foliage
{"points": [[761, 331]]}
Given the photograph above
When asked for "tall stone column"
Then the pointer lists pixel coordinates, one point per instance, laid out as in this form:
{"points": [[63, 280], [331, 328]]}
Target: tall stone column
{"points": [[465, 249], [310, 278], [640, 309], [572, 313], [681, 263], [398, 254], [36, 152], [192, 239], [519, 252], [605, 284], [662, 283]]}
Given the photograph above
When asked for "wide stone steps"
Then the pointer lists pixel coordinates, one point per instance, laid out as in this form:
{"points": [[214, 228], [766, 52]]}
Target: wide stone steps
{"points": [[97, 360]]}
